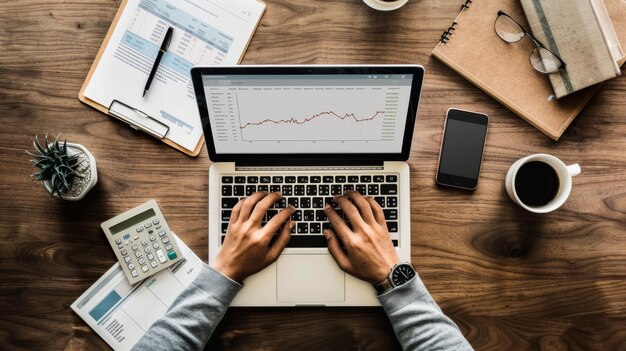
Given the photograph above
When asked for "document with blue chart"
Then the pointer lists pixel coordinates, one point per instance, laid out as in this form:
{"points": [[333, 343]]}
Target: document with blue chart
{"points": [[122, 313], [205, 32]]}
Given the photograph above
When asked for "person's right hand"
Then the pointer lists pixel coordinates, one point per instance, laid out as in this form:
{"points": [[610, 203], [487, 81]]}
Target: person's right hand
{"points": [[369, 254]]}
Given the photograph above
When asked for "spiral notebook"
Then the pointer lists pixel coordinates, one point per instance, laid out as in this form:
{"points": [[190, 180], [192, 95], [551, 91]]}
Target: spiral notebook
{"points": [[471, 47]]}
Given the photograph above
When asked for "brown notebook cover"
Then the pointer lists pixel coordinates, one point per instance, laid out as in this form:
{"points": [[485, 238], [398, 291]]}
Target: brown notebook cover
{"points": [[473, 49]]}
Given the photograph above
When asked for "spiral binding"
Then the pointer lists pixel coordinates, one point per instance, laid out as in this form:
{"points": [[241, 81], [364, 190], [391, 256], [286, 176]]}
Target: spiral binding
{"points": [[446, 34]]}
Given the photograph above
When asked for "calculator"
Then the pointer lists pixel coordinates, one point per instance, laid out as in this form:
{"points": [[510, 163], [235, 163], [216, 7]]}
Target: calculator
{"points": [[142, 241]]}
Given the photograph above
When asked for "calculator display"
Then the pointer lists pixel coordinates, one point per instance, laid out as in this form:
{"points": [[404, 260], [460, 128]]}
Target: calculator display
{"points": [[132, 222]]}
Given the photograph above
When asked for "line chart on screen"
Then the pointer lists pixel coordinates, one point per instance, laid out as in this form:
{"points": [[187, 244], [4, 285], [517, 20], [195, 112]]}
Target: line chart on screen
{"points": [[315, 114]]}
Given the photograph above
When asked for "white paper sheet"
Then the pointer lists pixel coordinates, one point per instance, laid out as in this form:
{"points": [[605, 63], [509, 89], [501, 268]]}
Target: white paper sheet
{"points": [[206, 32], [120, 313]]}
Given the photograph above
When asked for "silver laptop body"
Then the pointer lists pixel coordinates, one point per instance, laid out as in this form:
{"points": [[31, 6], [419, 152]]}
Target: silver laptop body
{"points": [[310, 132]]}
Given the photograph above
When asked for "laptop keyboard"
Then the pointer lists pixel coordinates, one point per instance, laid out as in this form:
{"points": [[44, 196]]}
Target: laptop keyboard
{"points": [[308, 194]]}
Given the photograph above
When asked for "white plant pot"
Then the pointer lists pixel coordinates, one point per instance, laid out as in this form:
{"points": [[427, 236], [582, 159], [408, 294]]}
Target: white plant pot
{"points": [[86, 169]]}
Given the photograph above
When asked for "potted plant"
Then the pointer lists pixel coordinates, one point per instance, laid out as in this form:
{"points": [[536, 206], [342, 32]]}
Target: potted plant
{"points": [[67, 171]]}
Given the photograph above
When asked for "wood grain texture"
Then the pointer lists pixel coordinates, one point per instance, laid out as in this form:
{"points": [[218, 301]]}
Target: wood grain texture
{"points": [[510, 279]]}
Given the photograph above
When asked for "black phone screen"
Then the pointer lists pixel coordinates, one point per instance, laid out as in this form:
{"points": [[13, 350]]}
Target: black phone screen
{"points": [[462, 149]]}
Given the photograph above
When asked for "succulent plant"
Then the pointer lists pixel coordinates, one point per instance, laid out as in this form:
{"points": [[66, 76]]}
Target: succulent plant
{"points": [[55, 165]]}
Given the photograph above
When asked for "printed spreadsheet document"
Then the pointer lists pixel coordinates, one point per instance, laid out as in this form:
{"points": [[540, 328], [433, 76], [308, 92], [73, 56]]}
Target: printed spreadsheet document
{"points": [[122, 313], [206, 32]]}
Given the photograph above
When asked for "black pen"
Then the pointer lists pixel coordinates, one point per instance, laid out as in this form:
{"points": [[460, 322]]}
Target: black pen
{"points": [[164, 45]]}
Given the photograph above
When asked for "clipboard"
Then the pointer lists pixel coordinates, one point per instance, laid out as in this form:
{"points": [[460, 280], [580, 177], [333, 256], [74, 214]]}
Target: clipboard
{"points": [[136, 118]]}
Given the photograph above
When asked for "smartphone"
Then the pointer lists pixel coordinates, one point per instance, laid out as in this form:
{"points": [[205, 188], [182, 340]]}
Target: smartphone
{"points": [[462, 146]]}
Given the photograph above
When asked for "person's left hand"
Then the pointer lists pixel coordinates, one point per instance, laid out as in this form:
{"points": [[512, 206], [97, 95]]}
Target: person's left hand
{"points": [[248, 247]]}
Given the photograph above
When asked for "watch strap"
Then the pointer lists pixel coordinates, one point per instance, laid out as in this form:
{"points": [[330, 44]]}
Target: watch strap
{"points": [[383, 286]]}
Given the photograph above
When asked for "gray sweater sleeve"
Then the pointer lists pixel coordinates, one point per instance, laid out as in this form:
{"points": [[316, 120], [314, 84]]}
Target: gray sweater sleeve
{"points": [[192, 318], [418, 322]]}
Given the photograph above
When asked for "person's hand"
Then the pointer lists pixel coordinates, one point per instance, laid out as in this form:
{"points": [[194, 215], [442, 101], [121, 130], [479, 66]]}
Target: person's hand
{"points": [[369, 254], [248, 247]]}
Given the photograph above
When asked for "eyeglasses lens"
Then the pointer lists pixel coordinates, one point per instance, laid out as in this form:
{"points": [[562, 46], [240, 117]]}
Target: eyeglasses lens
{"points": [[508, 29], [544, 61]]}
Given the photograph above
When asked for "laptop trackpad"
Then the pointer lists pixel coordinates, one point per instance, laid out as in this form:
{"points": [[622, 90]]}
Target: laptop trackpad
{"points": [[309, 279]]}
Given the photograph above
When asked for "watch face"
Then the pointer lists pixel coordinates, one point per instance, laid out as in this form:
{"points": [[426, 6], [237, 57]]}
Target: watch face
{"points": [[402, 274]]}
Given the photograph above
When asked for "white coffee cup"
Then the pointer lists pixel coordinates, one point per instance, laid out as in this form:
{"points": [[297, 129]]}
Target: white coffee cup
{"points": [[564, 173], [381, 5]]}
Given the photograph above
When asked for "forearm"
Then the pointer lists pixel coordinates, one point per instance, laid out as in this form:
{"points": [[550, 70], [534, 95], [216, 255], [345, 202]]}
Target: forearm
{"points": [[194, 315], [418, 322]]}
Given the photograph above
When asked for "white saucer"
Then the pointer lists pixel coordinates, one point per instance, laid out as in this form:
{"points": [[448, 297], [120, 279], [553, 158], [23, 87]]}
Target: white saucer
{"points": [[385, 7]]}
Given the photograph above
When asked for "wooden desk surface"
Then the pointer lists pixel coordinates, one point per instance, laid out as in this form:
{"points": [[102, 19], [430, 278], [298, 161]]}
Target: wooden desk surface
{"points": [[508, 278]]}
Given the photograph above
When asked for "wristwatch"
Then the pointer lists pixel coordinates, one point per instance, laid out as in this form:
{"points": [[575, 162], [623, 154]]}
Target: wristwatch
{"points": [[399, 275]]}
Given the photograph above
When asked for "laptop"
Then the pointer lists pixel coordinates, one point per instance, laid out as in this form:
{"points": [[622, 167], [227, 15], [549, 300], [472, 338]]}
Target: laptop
{"points": [[310, 132]]}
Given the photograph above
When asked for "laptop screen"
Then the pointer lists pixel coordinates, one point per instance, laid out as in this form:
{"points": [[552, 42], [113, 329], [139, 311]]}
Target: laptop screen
{"points": [[339, 112]]}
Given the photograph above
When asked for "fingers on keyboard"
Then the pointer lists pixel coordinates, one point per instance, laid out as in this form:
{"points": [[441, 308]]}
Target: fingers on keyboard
{"points": [[309, 194]]}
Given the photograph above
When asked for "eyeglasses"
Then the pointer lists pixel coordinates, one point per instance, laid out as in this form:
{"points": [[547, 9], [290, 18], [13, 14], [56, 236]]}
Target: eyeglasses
{"points": [[542, 59]]}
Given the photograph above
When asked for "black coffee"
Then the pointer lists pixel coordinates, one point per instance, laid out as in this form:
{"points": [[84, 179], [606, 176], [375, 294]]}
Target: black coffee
{"points": [[536, 183]]}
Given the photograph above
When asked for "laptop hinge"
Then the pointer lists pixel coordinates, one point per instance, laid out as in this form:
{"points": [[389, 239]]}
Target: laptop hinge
{"points": [[307, 168], [241, 166]]}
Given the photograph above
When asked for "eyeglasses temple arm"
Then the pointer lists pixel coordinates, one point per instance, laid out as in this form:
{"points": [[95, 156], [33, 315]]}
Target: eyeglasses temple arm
{"points": [[540, 44]]}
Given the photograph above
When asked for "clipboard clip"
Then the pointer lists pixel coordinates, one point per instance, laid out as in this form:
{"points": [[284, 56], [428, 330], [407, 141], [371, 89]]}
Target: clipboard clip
{"points": [[138, 120]]}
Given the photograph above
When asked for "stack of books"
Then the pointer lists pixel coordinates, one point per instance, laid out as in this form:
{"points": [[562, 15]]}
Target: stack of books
{"points": [[584, 33]]}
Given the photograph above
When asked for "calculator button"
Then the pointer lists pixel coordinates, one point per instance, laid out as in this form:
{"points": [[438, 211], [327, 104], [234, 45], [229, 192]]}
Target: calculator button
{"points": [[136, 237], [127, 259], [139, 229], [131, 266], [142, 261], [165, 240], [134, 273], [151, 257], [148, 225], [138, 254], [162, 233], [118, 241], [152, 238], [124, 252], [155, 221], [153, 264], [121, 246], [144, 243], [169, 247], [144, 268], [161, 256], [172, 255], [126, 237], [147, 249], [135, 247], [155, 245]]}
